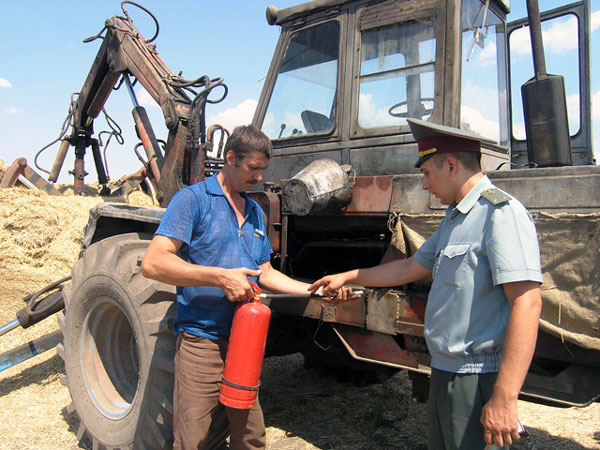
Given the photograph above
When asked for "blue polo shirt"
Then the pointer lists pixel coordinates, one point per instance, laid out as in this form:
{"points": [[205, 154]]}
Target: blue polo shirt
{"points": [[477, 247], [201, 217]]}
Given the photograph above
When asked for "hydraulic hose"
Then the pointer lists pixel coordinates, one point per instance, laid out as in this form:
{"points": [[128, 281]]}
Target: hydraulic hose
{"points": [[36, 311], [43, 307]]}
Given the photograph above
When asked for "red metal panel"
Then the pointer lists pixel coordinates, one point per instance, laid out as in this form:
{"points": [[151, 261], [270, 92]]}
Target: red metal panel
{"points": [[270, 203], [411, 315], [378, 348], [350, 313], [371, 195]]}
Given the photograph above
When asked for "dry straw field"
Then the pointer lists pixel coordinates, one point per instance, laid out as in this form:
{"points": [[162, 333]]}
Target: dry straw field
{"points": [[39, 241]]}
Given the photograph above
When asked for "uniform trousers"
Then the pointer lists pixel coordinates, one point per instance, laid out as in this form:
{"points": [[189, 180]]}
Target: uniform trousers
{"points": [[455, 404], [199, 364]]}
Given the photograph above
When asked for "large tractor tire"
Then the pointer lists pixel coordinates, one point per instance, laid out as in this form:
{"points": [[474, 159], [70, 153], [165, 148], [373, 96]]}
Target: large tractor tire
{"points": [[118, 347]]}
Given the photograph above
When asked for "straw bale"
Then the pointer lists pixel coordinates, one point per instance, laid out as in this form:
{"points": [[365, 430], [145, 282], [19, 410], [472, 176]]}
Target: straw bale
{"points": [[40, 235], [40, 240], [136, 197], [140, 198], [2, 168]]}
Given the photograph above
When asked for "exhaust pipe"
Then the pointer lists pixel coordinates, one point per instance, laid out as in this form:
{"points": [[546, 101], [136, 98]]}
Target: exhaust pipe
{"points": [[544, 105]]}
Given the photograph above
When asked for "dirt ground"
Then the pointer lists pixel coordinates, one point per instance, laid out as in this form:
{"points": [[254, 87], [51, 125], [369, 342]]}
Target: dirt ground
{"points": [[303, 409]]}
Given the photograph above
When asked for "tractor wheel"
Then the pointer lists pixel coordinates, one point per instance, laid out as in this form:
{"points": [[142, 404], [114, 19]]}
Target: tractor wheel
{"points": [[118, 347]]}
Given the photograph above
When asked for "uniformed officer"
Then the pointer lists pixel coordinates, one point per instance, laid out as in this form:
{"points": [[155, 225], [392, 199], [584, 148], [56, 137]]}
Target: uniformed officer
{"points": [[484, 304]]}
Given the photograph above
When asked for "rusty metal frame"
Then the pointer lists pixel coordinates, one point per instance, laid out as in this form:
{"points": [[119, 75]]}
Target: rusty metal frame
{"points": [[20, 174], [379, 348]]}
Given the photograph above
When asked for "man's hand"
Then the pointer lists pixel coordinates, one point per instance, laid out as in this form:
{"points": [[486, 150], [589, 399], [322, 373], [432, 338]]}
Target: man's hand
{"points": [[499, 415], [235, 285], [333, 286], [499, 418], [329, 285], [342, 294], [394, 273]]}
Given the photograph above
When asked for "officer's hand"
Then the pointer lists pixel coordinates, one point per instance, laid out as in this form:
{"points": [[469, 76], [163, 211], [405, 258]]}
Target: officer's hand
{"points": [[499, 420], [331, 285], [235, 285], [327, 285], [344, 293]]}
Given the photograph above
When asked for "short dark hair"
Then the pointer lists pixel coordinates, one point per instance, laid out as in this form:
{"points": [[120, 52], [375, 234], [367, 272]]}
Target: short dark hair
{"points": [[247, 139], [470, 160]]}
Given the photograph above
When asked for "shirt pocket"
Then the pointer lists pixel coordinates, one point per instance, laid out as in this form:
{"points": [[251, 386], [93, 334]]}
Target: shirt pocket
{"points": [[254, 242], [452, 264], [260, 237]]}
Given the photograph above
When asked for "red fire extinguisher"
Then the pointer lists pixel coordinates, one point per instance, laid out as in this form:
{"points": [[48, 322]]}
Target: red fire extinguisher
{"points": [[245, 353]]}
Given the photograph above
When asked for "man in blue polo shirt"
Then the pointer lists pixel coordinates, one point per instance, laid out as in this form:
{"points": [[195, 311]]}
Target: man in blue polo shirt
{"points": [[210, 242], [484, 304]]}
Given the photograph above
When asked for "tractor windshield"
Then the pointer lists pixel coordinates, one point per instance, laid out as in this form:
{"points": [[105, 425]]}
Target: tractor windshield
{"points": [[396, 73], [483, 106], [303, 99]]}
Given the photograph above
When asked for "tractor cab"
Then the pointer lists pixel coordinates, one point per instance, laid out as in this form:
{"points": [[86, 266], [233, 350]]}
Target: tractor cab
{"points": [[347, 75]]}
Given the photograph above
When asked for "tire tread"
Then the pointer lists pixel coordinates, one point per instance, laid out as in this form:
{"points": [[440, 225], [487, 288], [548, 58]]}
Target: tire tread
{"points": [[111, 257]]}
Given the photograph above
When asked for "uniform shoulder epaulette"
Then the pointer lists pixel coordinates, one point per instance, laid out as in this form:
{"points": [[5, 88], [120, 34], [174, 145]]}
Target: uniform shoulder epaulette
{"points": [[495, 196]]}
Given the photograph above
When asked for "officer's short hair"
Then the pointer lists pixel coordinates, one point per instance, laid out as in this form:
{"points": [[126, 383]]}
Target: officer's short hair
{"points": [[470, 161]]}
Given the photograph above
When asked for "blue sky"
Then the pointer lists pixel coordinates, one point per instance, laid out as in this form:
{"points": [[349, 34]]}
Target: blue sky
{"points": [[44, 61]]}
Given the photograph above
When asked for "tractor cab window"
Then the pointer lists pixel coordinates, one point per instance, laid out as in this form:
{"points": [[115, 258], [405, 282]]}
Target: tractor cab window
{"points": [[566, 42], [561, 48], [304, 97], [396, 73], [483, 105]]}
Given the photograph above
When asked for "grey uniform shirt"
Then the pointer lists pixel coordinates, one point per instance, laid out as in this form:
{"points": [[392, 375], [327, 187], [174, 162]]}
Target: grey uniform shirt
{"points": [[477, 247]]}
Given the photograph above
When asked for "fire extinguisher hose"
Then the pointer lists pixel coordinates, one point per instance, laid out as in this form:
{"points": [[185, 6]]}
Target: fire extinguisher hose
{"points": [[267, 296]]}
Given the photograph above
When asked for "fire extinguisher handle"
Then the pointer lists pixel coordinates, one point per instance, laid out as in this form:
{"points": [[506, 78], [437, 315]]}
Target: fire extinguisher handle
{"points": [[257, 290]]}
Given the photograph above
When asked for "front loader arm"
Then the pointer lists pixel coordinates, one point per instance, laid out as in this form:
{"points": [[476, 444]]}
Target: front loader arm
{"points": [[124, 50], [124, 53]]}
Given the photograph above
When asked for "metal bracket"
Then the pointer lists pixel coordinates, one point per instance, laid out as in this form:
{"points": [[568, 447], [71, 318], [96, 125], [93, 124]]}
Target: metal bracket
{"points": [[20, 174]]}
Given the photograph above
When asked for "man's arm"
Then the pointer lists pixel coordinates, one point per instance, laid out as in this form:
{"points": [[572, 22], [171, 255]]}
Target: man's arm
{"points": [[499, 415], [394, 273], [276, 282], [162, 263]]}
